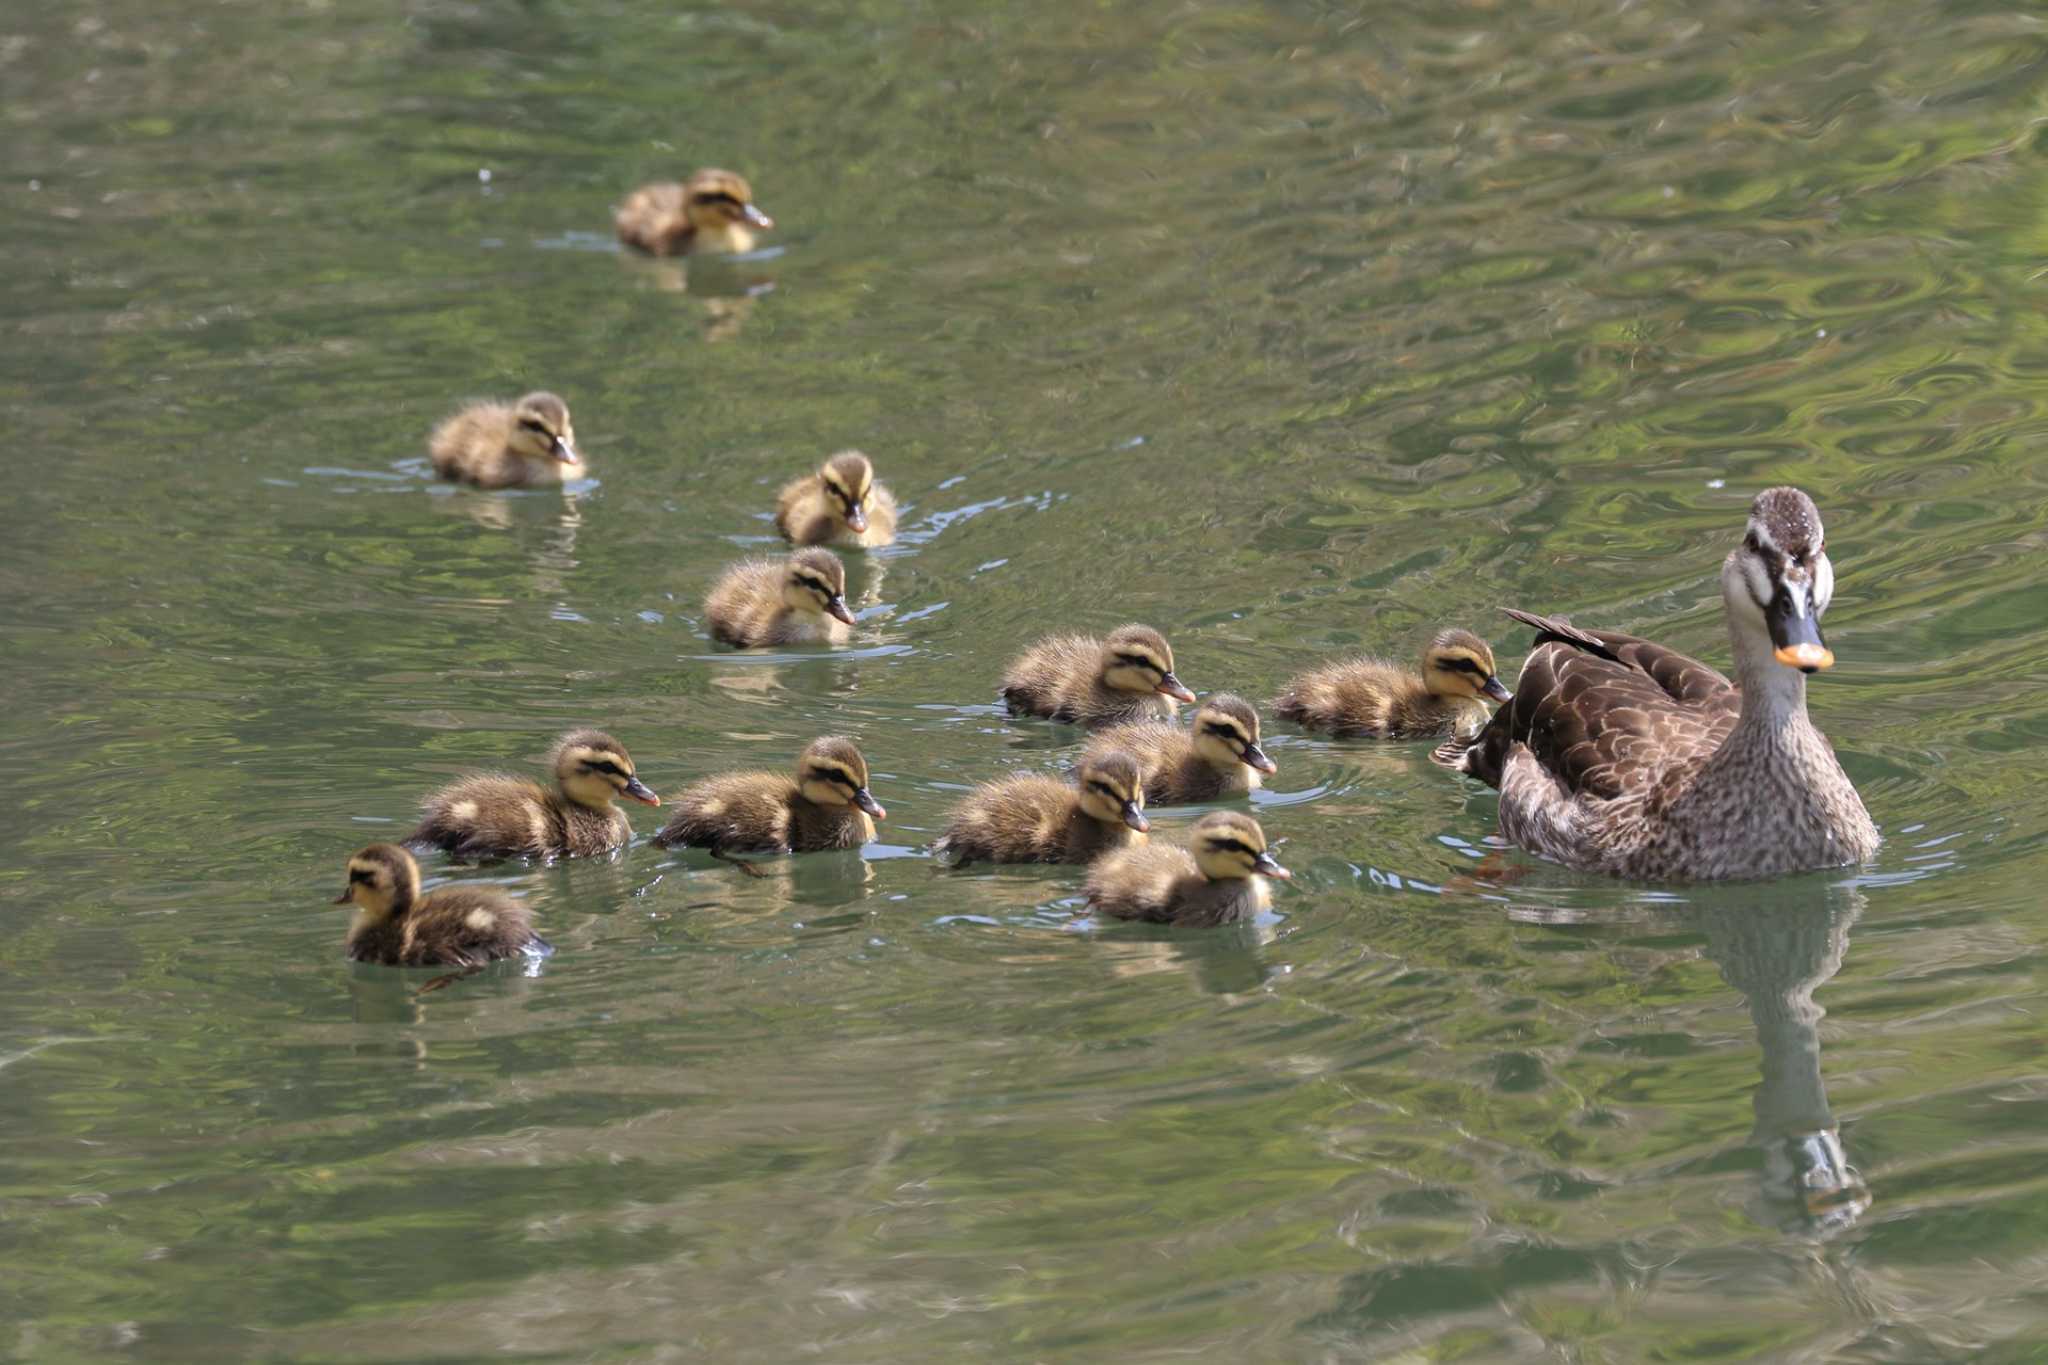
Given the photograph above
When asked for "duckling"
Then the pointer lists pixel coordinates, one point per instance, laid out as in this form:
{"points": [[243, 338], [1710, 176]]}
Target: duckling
{"points": [[712, 211], [826, 805], [1085, 681], [1219, 756], [1216, 880], [495, 445], [493, 815], [841, 504], [798, 601], [1033, 819], [455, 926], [1371, 698]]}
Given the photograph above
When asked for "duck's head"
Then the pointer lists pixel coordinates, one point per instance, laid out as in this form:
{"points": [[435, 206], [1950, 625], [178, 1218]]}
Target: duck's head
{"points": [[1113, 790], [1458, 663], [814, 583], [383, 880], [1778, 582], [541, 430], [594, 769], [1227, 733], [1138, 659], [1227, 844], [720, 199], [848, 479], [831, 772]]}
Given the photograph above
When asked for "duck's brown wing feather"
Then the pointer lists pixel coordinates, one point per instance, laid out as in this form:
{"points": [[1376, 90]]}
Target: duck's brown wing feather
{"points": [[1603, 711]]}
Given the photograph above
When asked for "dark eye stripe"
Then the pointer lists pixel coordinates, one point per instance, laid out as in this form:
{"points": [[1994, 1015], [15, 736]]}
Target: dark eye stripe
{"points": [[1233, 846], [534, 424], [1225, 732], [360, 874], [1133, 661]]}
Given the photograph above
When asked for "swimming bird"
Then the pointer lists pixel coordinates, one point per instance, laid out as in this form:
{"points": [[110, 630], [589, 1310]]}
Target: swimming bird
{"points": [[1625, 757], [712, 211], [1219, 878], [1217, 756], [1086, 681], [1375, 699], [825, 805], [508, 445], [841, 504], [1029, 818], [496, 815], [798, 600], [453, 926]]}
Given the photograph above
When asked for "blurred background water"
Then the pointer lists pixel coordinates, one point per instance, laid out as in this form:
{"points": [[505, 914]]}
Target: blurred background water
{"points": [[1291, 329]]}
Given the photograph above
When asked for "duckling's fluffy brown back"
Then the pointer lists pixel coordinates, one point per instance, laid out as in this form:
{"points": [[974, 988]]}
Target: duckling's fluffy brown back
{"points": [[1029, 818], [1060, 678], [745, 609], [1373, 699], [1159, 882], [496, 815], [455, 926], [759, 813], [1175, 772]]}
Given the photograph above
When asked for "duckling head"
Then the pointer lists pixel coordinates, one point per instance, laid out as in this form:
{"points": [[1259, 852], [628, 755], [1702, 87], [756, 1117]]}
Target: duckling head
{"points": [[1229, 844], [722, 200], [1113, 790], [848, 479], [1458, 663], [1227, 733], [814, 583], [831, 772], [383, 880], [541, 430], [594, 769], [1778, 582], [1138, 659]]}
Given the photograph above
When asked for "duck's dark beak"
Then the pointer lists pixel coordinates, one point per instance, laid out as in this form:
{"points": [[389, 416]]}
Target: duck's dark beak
{"points": [[1492, 688], [1795, 630], [1267, 864], [1256, 757], [863, 799], [856, 519], [756, 217], [1135, 818], [342, 899], [837, 609], [1175, 688], [640, 792], [565, 452]]}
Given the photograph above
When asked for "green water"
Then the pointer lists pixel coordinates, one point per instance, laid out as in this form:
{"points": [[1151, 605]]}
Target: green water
{"points": [[1288, 329]]}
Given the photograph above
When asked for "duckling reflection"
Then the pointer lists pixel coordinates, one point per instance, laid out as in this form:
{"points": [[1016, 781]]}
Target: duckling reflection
{"points": [[1777, 957]]}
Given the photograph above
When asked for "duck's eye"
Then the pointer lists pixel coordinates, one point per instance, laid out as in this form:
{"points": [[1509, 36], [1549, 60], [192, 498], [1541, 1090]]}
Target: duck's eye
{"points": [[719, 197], [361, 874], [535, 425], [605, 766], [1136, 661], [1752, 544]]}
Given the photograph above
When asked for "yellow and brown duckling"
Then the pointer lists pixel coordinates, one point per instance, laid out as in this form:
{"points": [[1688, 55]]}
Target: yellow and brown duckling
{"points": [[508, 445], [799, 600], [1030, 818], [711, 211], [1375, 699], [1086, 681], [841, 504], [1218, 878], [496, 815], [1217, 757], [825, 805], [454, 926]]}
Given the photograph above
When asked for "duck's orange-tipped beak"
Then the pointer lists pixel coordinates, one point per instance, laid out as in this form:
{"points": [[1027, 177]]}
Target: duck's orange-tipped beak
{"points": [[1807, 658], [642, 793], [1173, 687]]}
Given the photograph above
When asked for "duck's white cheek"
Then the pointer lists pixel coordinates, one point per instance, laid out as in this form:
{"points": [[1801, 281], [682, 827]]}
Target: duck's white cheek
{"points": [[1823, 584]]}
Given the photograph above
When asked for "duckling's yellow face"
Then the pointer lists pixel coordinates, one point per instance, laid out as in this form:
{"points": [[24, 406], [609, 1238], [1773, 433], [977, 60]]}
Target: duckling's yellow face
{"points": [[1227, 733], [832, 773], [593, 770], [722, 200], [814, 584], [848, 478], [541, 430], [1138, 659], [1113, 791], [1228, 845], [1460, 664], [383, 879]]}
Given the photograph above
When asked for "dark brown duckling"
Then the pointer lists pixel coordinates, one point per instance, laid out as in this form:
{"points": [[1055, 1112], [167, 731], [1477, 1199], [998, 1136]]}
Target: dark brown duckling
{"points": [[1029, 818], [508, 445], [712, 211], [825, 805], [1220, 878], [1086, 681], [453, 926], [496, 815], [1216, 757]]}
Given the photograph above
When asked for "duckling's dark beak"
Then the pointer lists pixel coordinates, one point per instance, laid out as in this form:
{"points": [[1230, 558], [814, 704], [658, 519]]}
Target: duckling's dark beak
{"points": [[756, 217], [1135, 818], [1256, 757], [565, 452], [867, 802], [1795, 630], [1175, 688], [837, 608], [343, 898], [640, 792], [856, 519], [1267, 864], [1492, 688]]}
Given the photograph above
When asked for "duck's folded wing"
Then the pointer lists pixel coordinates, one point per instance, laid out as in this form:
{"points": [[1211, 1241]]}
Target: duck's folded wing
{"points": [[1603, 712]]}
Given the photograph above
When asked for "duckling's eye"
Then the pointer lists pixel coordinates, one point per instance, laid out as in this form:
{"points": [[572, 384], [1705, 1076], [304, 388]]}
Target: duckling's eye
{"points": [[1223, 732], [605, 766], [1105, 789], [1136, 661], [815, 586], [719, 197], [1461, 666], [361, 874], [1231, 846]]}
